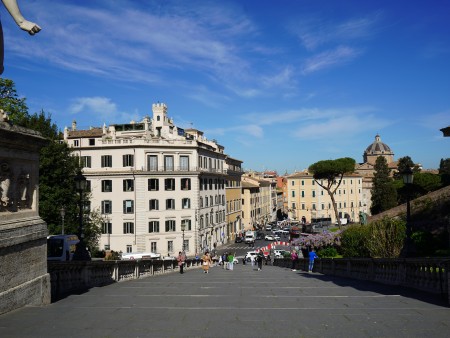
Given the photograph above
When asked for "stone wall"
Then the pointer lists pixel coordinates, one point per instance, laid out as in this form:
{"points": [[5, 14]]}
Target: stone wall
{"points": [[23, 245]]}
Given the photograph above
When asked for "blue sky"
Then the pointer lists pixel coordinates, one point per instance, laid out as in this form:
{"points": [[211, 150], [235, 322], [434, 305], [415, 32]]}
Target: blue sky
{"points": [[280, 84]]}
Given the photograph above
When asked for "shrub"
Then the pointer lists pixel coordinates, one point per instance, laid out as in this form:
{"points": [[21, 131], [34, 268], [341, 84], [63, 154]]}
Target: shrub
{"points": [[329, 252], [353, 241], [385, 238]]}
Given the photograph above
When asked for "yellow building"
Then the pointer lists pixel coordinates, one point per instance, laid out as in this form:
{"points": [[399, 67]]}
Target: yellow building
{"points": [[308, 199], [233, 190]]}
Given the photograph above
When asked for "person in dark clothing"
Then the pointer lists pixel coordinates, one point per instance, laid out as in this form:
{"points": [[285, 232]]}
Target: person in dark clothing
{"points": [[260, 260]]}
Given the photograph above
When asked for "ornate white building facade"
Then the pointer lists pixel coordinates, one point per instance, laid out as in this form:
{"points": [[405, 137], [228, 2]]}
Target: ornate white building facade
{"points": [[158, 187]]}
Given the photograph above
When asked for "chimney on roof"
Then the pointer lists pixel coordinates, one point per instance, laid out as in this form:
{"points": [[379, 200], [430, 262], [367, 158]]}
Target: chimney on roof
{"points": [[74, 125]]}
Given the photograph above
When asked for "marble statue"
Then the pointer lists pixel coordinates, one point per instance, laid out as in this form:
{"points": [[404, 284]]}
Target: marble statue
{"points": [[28, 26]]}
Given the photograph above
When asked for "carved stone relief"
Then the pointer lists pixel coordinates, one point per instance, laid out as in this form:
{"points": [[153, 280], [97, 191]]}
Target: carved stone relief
{"points": [[15, 187]]}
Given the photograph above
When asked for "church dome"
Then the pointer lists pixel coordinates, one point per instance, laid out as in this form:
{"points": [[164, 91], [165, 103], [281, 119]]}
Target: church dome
{"points": [[378, 147]]}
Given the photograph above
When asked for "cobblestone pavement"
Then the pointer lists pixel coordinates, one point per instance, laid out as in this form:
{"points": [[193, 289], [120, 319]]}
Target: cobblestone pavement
{"points": [[274, 302]]}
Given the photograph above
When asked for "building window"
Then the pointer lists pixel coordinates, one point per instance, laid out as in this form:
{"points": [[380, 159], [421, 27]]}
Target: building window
{"points": [[185, 184], [168, 163], [314, 206], [106, 161], [293, 193], [128, 160], [313, 194], [170, 225], [85, 161], [92, 141], [106, 228], [153, 226], [128, 206], [170, 204], [128, 185], [303, 206], [128, 228], [106, 185], [76, 143], [153, 205], [303, 193], [187, 224], [169, 184], [210, 184], [186, 203], [184, 163], [206, 201], [107, 247], [201, 202], [169, 246], [153, 247], [186, 245], [129, 249], [323, 206], [152, 163], [153, 184], [106, 207]]}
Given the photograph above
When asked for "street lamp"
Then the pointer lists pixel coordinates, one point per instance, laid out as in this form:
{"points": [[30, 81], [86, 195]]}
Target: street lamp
{"points": [[408, 178], [183, 228], [62, 212], [81, 253]]}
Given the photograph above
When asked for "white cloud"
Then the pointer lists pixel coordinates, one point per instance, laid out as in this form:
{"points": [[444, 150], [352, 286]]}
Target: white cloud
{"points": [[314, 32], [338, 56], [102, 108]]}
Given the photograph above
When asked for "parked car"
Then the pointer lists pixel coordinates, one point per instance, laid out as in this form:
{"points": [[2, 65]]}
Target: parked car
{"points": [[259, 235], [238, 239], [276, 237], [279, 253], [268, 227], [269, 238], [250, 255]]}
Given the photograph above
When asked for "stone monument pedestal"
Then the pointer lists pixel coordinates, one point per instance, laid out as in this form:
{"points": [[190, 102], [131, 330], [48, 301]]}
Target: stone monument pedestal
{"points": [[23, 234]]}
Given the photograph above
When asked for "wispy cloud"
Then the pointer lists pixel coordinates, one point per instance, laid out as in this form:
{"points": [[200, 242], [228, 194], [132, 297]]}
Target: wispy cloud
{"points": [[338, 56], [335, 128], [314, 32], [103, 108]]}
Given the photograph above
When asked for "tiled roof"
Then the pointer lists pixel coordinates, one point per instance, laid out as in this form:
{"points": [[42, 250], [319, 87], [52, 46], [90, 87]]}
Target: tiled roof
{"points": [[94, 132]]}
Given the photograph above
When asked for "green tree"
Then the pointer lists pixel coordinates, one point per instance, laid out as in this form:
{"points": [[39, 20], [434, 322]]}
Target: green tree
{"points": [[444, 171], [402, 164], [384, 194], [331, 173], [11, 103], [57, 169]]}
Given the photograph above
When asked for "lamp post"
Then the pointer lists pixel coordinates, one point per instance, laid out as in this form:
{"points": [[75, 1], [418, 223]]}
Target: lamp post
{"points": [[81, 253], [408, 177], [183, 228], [62, 212]]}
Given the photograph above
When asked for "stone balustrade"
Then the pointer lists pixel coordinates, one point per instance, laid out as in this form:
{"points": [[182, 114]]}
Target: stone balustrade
{"points": [[425, 274], [73, 277]]}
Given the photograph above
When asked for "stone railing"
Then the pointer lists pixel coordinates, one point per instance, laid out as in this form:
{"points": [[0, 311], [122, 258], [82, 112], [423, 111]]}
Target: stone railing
{"points": [[429, 275], [74, 277]]}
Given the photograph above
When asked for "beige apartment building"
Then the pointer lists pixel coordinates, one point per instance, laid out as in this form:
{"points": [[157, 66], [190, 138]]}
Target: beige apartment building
{"points": [[233, 193], [158, 187], [308, 199], [259, 200]]}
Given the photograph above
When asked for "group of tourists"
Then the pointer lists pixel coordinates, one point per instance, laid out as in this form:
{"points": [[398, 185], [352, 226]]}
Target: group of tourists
{"points": [[311, 255], [227, 260]]}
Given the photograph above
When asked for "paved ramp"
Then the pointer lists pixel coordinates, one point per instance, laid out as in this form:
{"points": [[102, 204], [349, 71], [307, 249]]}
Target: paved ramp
{"points": [[274, 302]]}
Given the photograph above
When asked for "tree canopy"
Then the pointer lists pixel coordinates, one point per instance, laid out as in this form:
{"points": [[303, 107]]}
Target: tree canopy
{"points": [[332, 172], [384, 193], [57, 168]]}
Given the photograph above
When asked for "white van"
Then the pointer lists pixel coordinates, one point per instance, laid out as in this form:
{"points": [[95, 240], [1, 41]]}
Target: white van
{"points": [[61, 247], [250, 237], [140, 255]]}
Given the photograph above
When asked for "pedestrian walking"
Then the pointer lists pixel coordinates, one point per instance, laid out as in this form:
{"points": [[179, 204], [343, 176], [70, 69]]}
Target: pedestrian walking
{"points": [[206, 262], [294, 259], [312, 257], [225, 260], [181, 259], [230, 261], [260, 258]]}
